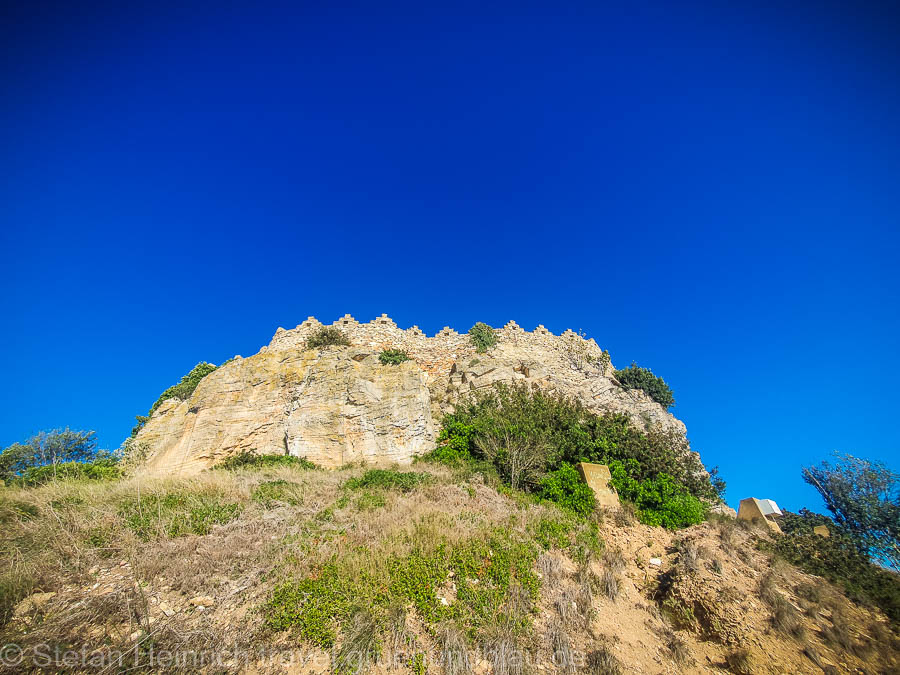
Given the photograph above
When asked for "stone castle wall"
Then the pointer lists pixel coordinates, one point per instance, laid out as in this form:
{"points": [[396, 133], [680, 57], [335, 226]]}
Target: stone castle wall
{"points": [[437, 354]]}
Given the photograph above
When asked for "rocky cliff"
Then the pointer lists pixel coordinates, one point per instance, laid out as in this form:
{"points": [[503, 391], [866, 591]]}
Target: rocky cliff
{"points": [[336, 405]]}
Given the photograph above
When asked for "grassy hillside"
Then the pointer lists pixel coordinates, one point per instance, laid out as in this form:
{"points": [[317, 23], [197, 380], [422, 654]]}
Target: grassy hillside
{"points": [[424, 569]]}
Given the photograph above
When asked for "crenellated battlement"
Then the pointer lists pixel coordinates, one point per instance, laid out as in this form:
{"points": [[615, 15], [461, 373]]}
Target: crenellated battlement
{"points": [[438, 352]]}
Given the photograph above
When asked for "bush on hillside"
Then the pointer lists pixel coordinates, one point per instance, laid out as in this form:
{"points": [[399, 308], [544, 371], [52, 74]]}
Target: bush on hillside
{"points": [[660, 501], [531, 433], [635, 377], [393, 357], [838, 559], [106, 468], [248, 459], [182, 391], [483, 337], [327, 336], [566, 487]]}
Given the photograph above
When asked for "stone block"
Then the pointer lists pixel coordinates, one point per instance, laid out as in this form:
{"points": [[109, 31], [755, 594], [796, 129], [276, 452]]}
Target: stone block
{"points": [[597, 477]]}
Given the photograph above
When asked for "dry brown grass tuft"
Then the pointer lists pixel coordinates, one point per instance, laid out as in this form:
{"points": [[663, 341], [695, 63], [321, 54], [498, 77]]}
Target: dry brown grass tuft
{"points": [[678, 649], [550, 569], [502, 649], [359, 648], [739, 662], [625, 515], [614, 560], [838, 634], [453, 654], [563, 657], [786, 618], [603, 662], [768, 588], [609, 584], [689, 557]]}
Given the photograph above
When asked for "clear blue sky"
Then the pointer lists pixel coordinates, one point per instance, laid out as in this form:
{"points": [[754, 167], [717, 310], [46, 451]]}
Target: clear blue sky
{"points": [[711, 190]]}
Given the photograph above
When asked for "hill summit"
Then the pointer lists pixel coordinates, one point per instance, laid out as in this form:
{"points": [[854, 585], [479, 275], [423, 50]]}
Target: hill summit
{"points": [[341, 403]]}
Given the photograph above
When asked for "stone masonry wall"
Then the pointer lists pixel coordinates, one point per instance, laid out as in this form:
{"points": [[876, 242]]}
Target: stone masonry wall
{"points": [[437, 354]]}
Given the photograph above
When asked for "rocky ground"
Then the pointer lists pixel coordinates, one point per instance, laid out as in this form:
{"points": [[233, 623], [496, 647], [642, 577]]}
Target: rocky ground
{"points": [[114, 577]]}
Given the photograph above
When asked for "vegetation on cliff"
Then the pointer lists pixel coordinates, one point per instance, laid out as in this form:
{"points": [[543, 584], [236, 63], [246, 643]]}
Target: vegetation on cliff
{"points": [[393, 357], [182, 391], [483, 337], [327, 336], [532, 439], [635, 377]]}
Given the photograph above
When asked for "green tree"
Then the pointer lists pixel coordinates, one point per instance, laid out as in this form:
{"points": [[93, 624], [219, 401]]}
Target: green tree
{"points": [[864, 498], [48, 448], [635, 377], [483, 337]]}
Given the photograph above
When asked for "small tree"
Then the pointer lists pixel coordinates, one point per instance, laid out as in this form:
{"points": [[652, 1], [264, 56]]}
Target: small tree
{"points": [[48, 448], [635, 377], [864, 498], [483, 337], [519, 458], [326, 336]]}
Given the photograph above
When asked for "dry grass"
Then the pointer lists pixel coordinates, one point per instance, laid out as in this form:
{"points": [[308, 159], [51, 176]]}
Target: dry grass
{"points": [[550, 569], [609, 584], [503, 650], [786, 619], [614, 560], [768, 588], [359, 648], [678, 649], [739, 662], [453, 654], [690, 556], [563, 657], [602, 661]]}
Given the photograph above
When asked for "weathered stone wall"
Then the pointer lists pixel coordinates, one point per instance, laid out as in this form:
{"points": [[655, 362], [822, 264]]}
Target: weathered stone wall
{"points": [[437, 354]]}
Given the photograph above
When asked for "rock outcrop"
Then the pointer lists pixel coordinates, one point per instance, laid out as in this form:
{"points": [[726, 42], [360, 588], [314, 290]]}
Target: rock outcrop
{"points": [[336, 405]]}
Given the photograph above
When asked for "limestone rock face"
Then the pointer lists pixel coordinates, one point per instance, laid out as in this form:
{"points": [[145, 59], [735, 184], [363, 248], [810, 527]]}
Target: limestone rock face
{"points": [[336, 405], [333, 406]]}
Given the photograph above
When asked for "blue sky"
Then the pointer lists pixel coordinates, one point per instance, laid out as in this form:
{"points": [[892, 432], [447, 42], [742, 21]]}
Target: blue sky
{"points": [[708, 190]]}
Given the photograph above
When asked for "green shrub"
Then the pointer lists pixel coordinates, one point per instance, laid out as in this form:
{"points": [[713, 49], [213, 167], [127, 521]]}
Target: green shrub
{"points": [[566, 487], [837, 559], [393, 357], [248, 459], [553, 532], [483, 337], [327, 336], [369, 501], [270, 492], [660, 501], [491, 425], [175, 514], [635, 377], [101, 469], [389, 479], [182, 391], [485, 569]]}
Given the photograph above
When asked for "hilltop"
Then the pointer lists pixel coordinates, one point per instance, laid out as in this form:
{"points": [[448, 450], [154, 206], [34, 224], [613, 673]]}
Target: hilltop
{"points": [[340, 404]]}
